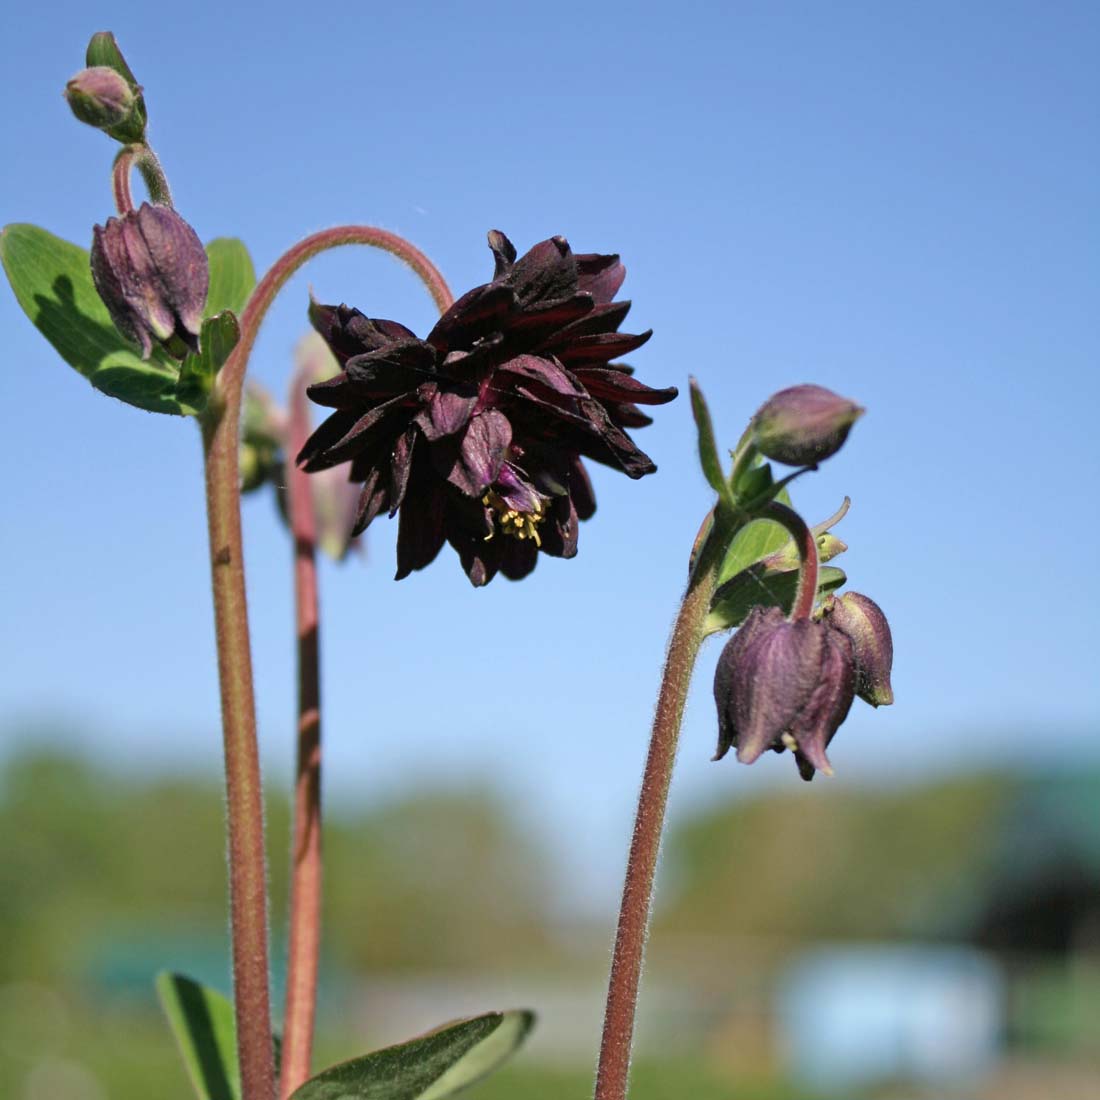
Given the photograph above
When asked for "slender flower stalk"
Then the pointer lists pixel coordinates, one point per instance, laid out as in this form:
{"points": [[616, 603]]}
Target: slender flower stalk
{"points": [[613, 1072], [146, 162], [804, 540], [304, 939], [221, 428]]}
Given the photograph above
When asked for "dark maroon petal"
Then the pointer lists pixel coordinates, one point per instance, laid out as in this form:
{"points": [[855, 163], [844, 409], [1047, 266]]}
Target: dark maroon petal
{"points": [[580, 490], [333, 393], [447, 413], [601, 276], [728, 677], [518, 558], [602, 318], [618, 387], [348, 332], [628, 416], [538, 325], [400, 467], [477, 313], [481, 453], [464, 364], [311, 456], [372, 501], [545, 373], [504, 253], [599, 348], [559, 529], [361, 434], [419, 531], [396, 368], [546, 273]]}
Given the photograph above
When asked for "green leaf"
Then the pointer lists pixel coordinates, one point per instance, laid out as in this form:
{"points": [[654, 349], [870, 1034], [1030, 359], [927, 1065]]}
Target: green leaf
{"points": [[761, 586], [52, 280], [434, 1066], [708, 450], [202, 1023], [232, 276], [219, 336]]}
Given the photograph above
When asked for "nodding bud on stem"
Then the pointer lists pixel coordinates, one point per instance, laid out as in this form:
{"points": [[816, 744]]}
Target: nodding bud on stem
{"points": [[152, 273], [861, 620], [803, 425], [783, 685], [100, 97]]}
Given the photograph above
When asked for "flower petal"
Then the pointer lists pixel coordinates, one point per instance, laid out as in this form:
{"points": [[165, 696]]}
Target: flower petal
{"points": [[618, 387], [396, 368], [600, 276], [448, 412], [504, 253], [599, 348], [546, 273], [372, 501], [481, 453], [477, 313]]}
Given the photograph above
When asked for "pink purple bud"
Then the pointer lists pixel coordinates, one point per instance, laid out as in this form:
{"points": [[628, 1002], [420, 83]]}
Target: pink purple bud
{"points": [[861, 620], [100, 97], [152, 273], [803, 425]]}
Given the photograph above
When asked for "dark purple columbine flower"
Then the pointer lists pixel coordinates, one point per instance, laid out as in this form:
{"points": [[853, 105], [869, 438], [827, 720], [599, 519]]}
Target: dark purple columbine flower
{"points": [[783, 685], [476, 434], [151, 271]]}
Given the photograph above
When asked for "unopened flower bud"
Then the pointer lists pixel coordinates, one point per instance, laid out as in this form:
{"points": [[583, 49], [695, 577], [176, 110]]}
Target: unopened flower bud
{"points": [[803, 425], [783, 685], [861, 620], [152, 273], [100, 97]]}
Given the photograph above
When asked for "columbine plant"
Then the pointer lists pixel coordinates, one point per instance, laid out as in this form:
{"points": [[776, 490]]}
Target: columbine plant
{"points": [[474, 436]]}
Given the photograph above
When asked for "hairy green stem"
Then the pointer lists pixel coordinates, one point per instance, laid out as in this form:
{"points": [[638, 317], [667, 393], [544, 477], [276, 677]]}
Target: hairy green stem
{"points": [[145, 160], [688, 632], [247, 868]]}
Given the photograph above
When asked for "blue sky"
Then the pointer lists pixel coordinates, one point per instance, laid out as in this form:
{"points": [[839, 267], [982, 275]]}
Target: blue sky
{"points": [[897, 201]]}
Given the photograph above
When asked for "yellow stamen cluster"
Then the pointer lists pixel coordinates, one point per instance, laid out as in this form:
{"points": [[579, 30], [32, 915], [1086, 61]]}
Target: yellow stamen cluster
{"points": [[520, 525]]}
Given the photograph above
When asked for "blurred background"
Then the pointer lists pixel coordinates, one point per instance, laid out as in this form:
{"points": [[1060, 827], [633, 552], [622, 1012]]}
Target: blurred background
{"points": [[897, 201]]}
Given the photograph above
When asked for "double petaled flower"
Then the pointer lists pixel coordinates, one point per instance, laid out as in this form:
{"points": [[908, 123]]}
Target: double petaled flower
{"points": [[475, 435]]}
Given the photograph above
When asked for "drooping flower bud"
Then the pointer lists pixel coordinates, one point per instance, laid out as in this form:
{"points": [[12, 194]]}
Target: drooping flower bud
{"points": [[861, 620], [803, 425], [152, 273], [783, 685], [100, 97]]}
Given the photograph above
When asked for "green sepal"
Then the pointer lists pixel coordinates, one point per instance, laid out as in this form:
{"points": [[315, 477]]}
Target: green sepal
{"points": [[219, 336], [52, 280], [103, 50], [203, 1026], [708, 449], [763, 586], [232, 276], [432, 1067]]}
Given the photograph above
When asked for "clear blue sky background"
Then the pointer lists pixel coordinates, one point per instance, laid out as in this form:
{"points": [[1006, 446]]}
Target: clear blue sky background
{"points": [[899, 201]]}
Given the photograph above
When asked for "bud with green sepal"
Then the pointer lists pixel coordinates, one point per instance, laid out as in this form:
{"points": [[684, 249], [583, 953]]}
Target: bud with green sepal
{"points": [[103, 53], [803, 425], [100, 97]]}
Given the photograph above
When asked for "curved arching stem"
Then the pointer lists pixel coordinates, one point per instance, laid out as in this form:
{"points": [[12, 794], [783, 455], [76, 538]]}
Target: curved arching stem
{"points": [[244, 796], [804, 540], [147, 163]]}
